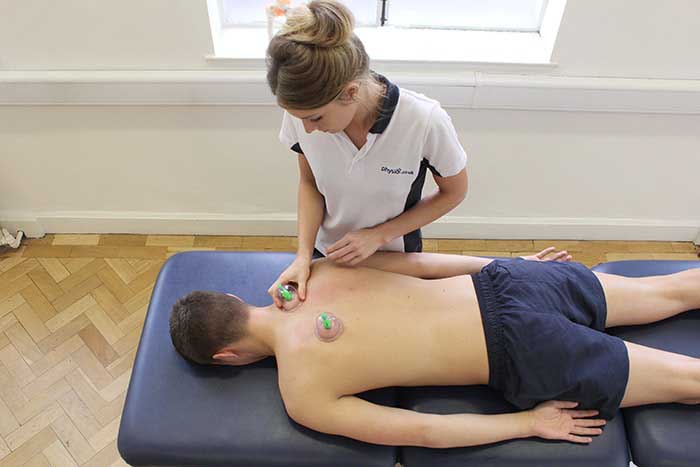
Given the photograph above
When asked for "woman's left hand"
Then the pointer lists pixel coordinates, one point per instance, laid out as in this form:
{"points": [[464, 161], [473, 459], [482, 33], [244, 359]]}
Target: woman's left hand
{"points": [[355, 246]]}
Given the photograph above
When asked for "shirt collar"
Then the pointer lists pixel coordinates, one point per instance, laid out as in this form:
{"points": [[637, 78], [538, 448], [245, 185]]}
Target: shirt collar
{"points": [[388, 104]]}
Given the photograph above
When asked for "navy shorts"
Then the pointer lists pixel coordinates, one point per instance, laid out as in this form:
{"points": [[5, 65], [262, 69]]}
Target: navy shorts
{"points": [[545, 335]]}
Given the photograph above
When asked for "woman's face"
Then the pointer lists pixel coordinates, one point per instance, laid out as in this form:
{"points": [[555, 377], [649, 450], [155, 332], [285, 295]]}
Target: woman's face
{"points": [[333, 117]]}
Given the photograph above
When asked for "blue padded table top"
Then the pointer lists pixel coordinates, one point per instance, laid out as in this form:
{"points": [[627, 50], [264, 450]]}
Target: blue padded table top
{"points": [[662, 435], [178, 413]]}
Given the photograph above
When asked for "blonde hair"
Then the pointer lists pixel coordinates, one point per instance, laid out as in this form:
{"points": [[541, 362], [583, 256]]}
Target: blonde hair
{"points": [[314, 55]]}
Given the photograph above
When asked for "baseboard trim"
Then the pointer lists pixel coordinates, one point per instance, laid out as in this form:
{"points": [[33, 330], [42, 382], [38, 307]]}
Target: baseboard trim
{"points": [[285, 224], [26, 222]]}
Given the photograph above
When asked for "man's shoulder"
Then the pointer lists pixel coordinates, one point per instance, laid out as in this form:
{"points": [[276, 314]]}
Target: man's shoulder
{"points": [[326, 275], [299, 381], [325, 268]]}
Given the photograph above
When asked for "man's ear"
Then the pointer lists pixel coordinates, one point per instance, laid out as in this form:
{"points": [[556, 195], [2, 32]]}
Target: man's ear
{"points": [[225, 356]]}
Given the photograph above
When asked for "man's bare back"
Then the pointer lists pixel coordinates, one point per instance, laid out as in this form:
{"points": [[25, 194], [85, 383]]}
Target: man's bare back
{"points": [[398, 331]]}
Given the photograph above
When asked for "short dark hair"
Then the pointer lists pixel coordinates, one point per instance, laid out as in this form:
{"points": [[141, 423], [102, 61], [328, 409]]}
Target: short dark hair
{"points": [[202, 323]]}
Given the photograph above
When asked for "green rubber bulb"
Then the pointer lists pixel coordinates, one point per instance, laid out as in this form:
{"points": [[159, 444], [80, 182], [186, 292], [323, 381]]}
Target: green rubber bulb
{"points": [[286, 294]]}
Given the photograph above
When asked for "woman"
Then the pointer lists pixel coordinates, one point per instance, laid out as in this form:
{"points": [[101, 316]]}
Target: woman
{"points": [[364, 145]]}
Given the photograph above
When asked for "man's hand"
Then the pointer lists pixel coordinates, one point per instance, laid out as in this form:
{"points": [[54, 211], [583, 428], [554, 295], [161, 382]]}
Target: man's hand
{"points": [[558, 420], [355, 246], [298, 272], [549, 254]]}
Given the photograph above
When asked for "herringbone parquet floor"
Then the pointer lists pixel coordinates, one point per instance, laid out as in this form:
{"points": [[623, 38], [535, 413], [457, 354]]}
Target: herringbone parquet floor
{"points": [[71, 313]]}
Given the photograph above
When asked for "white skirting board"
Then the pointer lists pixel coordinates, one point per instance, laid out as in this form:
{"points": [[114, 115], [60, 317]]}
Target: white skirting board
{"points": [[285, 224]]}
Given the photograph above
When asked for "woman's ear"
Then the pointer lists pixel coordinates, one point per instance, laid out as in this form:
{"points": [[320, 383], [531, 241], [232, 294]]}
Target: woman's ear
{"points": [[351, 92]]}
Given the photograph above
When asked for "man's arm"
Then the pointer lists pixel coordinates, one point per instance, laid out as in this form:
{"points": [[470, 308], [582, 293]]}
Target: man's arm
{"points": [[425, 265], [441, 265], [364, 421]]}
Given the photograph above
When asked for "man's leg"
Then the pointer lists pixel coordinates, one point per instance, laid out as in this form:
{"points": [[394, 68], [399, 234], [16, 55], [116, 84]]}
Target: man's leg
{"points": [[657, 376], [642, 300]]}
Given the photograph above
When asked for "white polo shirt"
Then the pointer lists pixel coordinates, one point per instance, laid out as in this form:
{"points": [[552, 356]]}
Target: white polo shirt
{"points": [[371, 185]]}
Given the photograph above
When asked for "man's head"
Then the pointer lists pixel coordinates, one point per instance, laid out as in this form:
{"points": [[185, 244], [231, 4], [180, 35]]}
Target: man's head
{"points": [[204, 324]]}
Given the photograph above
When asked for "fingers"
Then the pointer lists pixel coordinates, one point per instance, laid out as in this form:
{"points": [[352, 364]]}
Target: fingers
{"points": [[340, 253], [357, 260], [588, 422], [350, 259], [273, 293], [562, 256], [337, 245], [545, 252], [348, 255], [578, 439], [582, 413], [302, 289], [586, 431], [576, 414], [559, 256]]}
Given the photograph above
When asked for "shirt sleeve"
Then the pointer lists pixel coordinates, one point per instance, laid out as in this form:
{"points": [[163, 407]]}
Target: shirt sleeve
{"points": [[442, 148], [288, 134]]}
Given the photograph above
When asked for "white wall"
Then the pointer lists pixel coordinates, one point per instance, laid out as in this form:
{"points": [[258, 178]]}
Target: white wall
{"points": [[641, 39], [103, 34], [220, 169]]}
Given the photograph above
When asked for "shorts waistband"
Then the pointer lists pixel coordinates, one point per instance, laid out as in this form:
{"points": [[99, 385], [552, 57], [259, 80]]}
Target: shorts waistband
{"points": [[493, 329]]}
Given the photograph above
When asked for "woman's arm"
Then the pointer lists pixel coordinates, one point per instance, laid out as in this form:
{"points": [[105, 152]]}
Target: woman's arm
{"points": [[358, 245], [310, 215], [311, 207], [452, 191]]}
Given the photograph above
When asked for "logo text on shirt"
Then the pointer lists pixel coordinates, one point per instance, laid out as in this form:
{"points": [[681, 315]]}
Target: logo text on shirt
{"points": [[397, 171]]}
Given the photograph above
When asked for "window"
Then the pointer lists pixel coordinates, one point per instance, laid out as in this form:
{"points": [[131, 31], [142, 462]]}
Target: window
{"points": [[247, 13], [253, 12], [475, 15], [501, 32]]}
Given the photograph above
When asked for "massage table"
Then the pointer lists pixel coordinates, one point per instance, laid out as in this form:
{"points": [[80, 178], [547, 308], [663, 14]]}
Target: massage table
{"points": [[178, 413]]}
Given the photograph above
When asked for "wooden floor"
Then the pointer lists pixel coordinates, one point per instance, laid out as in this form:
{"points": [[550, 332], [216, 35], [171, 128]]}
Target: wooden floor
{"points": [[71, 313]]}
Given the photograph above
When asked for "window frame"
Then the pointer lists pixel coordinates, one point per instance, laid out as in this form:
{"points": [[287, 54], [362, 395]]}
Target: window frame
{"points": [[383, 14], [388, 44]]}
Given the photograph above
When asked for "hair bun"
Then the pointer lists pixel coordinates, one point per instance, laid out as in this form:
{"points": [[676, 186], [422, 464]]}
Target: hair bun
{"points": [[322, 23]]}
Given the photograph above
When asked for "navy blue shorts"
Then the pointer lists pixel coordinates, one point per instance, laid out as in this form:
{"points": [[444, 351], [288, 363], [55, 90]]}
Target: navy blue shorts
{"points": [[545, 335]]}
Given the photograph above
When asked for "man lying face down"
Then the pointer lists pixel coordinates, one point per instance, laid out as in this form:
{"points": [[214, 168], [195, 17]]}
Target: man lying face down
{"points": [[531, 329]]}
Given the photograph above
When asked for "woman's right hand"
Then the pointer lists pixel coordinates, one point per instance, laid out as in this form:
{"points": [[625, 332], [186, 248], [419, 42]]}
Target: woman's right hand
{"points": [[298, 272]]}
